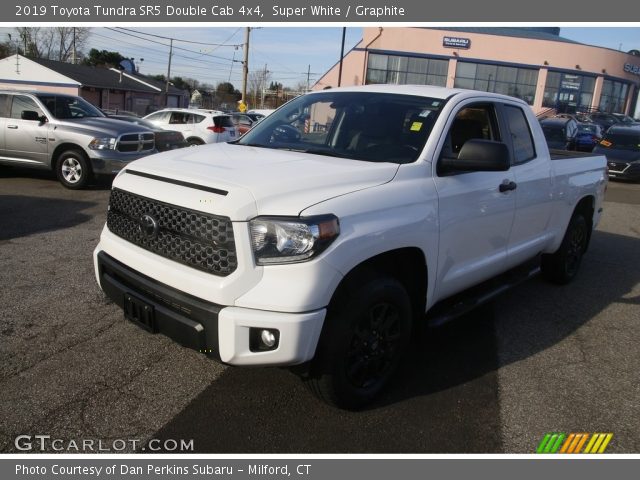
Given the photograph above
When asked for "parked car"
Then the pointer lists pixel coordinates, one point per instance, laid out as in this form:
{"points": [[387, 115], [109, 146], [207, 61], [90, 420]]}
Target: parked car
{"points": [[605, 120], [242, 122], [621, 146], [588, 136], [322, 250], [68, 135], [624, 119], [560, 132], [165, 139], [197, 125], [265, 112], [256, 117]]}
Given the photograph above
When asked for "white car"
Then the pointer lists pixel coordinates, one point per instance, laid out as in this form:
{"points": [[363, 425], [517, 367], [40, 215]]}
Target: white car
{"points": [[197, 125]]}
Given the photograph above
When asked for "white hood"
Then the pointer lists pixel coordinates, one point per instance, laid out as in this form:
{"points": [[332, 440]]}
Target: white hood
{"points": [[276, 182]]}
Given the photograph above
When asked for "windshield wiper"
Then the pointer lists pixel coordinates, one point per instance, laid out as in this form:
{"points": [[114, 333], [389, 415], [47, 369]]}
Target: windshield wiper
{"points": [[328, 153]]}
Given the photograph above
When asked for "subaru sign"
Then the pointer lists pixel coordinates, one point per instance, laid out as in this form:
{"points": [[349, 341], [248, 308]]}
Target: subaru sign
{"points": [[456, 42], [635, 69]]}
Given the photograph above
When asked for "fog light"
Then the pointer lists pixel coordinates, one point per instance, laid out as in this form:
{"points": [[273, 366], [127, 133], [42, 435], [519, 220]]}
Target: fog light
{"points": [[268, 338], [263, 339]]}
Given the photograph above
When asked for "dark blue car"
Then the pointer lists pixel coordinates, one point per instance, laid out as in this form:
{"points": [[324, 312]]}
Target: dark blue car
{"points": [[588, 136], [621, 145]]}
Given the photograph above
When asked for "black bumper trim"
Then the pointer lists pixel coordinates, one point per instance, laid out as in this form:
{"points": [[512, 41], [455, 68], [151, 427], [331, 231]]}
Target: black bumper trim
{"points": [[188, 320]]}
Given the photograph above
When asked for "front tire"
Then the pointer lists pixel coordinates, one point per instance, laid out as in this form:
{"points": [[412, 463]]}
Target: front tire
{"points": [[562, 266], [73, 170], [365, 337]]}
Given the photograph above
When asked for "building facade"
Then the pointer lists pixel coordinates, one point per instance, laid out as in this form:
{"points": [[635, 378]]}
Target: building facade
{"points": [[110, 89], [535, 64]]}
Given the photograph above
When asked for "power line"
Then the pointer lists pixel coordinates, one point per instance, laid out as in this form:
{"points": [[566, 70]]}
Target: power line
{"points": [[182, 40], [167, 45]]}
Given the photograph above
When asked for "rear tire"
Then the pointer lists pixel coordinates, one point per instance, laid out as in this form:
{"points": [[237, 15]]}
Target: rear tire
{"points": [[194, 142], [363, 341], [73, 169], [562, 266]]}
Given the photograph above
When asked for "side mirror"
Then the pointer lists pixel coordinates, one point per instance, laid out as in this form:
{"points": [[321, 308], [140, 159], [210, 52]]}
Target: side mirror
{"points": [[31, 116], [479, 155]]}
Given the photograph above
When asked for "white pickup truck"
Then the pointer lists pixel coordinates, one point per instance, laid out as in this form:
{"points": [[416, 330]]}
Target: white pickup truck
{"points": [[341, 222]]}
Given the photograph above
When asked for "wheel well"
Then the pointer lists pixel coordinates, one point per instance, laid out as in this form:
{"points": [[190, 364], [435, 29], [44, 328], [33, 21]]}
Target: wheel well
{"points": [[63, 147], [586, 206], [197, 139], [407, 265]]}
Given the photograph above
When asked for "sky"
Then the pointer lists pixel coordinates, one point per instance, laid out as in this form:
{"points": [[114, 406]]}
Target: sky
{"points": [[288, 53]]}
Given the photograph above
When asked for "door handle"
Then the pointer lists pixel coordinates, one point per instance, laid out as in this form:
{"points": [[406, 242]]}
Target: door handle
{"points": [[507, 186], [13, 127]]}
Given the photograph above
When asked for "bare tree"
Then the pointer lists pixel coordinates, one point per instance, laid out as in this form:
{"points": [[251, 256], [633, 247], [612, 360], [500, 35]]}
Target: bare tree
{"points": [[55, 43], [258, 83]]}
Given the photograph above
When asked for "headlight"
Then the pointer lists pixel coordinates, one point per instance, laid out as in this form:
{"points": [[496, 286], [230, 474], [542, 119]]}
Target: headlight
{"points": [[289, 240], [107, 143]]}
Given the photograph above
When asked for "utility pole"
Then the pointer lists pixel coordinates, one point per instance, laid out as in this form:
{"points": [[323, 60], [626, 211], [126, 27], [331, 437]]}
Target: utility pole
{"points": [[344, 32], [308, 75], [232, 61], [74, 53], [169, 72], [245, 65], [264, 85]]}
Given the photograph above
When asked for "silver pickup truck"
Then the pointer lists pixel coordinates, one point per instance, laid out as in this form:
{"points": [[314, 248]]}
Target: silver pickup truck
{"points": [[66, 134]]}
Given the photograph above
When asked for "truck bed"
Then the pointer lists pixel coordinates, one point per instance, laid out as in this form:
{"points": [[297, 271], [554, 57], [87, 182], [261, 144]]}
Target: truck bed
{"points": [[567, 154]]}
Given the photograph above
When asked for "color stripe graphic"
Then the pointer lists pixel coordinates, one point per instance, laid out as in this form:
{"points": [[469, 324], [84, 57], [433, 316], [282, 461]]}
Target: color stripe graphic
{"points": [[557, 442]]}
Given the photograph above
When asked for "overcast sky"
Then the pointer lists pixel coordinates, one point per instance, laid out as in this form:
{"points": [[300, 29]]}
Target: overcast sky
{"points": [[287, 52]]}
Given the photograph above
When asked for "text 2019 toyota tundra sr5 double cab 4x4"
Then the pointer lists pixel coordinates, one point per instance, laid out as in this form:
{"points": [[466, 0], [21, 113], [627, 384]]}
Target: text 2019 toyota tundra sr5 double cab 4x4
{"points": [[342, 221]]}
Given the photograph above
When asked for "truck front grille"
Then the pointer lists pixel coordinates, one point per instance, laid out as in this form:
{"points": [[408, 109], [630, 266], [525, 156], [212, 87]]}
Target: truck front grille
{"points": [[136, 142], [199, 240]]}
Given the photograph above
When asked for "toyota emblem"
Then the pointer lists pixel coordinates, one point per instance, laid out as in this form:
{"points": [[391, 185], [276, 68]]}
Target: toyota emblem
{"points": [[148, 226]]}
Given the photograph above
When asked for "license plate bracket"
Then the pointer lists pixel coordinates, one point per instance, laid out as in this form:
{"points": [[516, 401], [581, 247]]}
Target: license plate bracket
{"points": [[140, 312]]}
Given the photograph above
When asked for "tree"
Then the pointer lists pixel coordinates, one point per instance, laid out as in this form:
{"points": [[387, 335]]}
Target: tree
{"points": [[6, 49], [226, 88], [103, 58], [257, 84], [52, 43]]}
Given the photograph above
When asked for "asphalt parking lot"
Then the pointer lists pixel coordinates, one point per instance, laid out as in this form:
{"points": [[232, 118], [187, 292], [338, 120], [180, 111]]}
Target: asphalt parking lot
{"points": [[539, 359]]}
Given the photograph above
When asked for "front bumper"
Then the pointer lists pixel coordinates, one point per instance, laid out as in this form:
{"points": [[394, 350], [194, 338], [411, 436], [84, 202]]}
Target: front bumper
{"points": [[220, 332], [109, 162]]}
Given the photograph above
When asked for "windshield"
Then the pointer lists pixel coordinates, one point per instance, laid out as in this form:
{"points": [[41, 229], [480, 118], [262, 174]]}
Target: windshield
{"points": [[369, 126], [65, 107]]}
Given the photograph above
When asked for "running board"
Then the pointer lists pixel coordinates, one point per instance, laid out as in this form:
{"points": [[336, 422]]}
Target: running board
{"points": [[461, 303]]}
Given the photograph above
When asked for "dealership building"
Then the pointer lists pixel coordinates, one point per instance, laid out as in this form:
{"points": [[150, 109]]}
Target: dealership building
{"points": [[547, 71]]}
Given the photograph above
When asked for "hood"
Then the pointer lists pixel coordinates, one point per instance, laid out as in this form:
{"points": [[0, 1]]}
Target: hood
{"points": [[99, 126], [280, 182], [614, 155]]}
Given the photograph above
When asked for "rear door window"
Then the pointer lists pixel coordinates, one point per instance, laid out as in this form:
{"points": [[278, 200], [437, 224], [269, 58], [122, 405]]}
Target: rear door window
{"points": [[3, 105], [521, 138], [193, 118]]}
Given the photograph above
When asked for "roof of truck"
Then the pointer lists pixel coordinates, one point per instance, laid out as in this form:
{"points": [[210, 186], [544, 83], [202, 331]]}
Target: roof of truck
{"points": [[419, 90]]}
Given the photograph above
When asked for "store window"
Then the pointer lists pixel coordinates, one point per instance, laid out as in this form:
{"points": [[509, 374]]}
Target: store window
{"points": [[568, 92], [614, 96], [512, 81], [406, 70]]}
